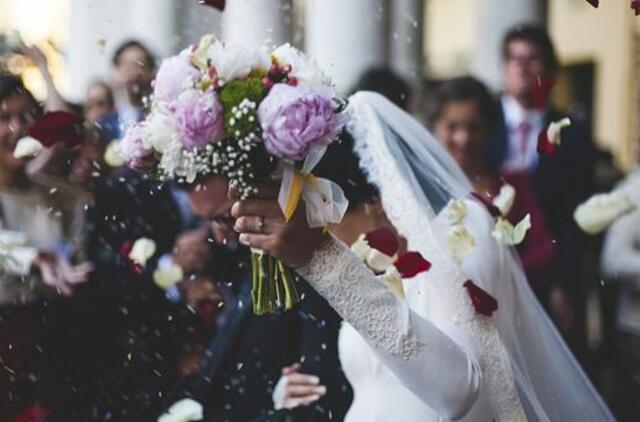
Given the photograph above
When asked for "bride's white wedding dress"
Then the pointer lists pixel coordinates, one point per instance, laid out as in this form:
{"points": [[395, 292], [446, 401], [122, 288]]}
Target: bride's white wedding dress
{"points": [[431, 357]]}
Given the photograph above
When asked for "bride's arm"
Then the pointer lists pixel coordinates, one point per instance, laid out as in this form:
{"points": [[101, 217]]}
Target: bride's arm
{"points": [[442, 372]]}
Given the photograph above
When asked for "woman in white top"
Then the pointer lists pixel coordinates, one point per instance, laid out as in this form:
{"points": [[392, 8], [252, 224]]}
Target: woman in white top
{"points": [[432, 355]]}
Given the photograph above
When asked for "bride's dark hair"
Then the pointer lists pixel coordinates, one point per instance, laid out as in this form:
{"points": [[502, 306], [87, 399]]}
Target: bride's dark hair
{"points": [[341, 165]]}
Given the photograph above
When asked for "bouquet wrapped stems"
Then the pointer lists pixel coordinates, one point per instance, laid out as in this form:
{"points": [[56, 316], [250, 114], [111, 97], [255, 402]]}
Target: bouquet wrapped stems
{"points": [[273, 286]]}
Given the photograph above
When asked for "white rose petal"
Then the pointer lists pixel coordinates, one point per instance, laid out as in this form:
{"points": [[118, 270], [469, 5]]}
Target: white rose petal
{"points": [[27, 147], [456, 211], [393, 279], [379, 261], [168, 275], [504, 200], [305, 69], [112, 154], [142, 250], [361, 247], [601, 210], [460, 241], [555, 128], [506, 233], [185, 410]]}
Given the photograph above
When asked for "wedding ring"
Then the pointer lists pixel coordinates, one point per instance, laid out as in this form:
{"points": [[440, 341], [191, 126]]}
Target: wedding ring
{"points": [[260, 224]]}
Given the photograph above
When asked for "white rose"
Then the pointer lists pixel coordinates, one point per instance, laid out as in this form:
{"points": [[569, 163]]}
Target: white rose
{"points": [[506, 233], [112, 154], [185, 410], [167, 276], [305, 69], [601, 210], [161, 130], [393, 279], [504, 200], [27, 147], [236, 62], [142, 250], [459, 241], [555, 128], [456, 211]]}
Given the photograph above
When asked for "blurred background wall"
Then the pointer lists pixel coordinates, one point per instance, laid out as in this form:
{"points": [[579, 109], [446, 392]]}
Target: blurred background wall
{"points": [[423, 40]]}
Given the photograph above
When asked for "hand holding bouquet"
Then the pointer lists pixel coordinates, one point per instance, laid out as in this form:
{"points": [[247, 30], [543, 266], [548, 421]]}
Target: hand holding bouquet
{"points": [[245, 114]]}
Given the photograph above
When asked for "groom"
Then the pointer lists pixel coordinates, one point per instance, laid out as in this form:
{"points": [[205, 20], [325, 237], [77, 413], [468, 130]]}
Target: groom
{"points": [[245, 359]]}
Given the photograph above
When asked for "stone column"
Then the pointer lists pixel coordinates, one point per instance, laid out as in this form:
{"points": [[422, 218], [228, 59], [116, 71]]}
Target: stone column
{"points": [[346, 37], [252, 22], [406, 55]]}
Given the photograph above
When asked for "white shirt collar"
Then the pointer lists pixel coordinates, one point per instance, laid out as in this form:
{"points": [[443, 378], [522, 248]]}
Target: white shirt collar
{"points": [[514, 113]]}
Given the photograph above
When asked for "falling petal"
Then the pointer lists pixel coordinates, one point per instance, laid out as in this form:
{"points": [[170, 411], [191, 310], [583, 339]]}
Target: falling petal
{"points": [[483, 302], [411, 264]]}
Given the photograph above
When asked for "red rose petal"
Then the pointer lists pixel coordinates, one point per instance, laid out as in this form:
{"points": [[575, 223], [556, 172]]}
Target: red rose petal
{"points": [[493, 210], [541, 91], [411, 264], [33, 414], [635, 5], [218, 4], [545, 146], [483, 302], [58, 127], [594, 3], [384, 240]]}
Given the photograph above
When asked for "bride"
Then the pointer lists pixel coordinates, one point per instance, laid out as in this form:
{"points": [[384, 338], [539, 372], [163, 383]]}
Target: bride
{"points": [[429, 356]]}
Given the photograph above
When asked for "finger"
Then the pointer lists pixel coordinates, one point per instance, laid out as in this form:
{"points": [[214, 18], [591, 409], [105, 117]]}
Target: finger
{"points": [[255, 224], [297, 391], [305, 401], [297, 378], [290, 369], [257, 241], [264, 207]]}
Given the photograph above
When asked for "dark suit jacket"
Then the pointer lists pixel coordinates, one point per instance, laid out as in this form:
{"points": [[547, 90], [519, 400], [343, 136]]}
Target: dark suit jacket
{"points": [[245, 358], [560, 185]]}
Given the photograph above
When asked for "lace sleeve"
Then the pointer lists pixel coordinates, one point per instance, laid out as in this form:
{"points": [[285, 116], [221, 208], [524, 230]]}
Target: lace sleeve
{"points": [[426, 360]]}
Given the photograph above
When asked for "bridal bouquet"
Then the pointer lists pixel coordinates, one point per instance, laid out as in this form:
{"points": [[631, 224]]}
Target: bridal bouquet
{"points": [[245, 114]]}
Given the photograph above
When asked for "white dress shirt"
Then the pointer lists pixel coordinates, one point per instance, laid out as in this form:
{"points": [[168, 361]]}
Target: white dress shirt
{"points": [[522, 154]]}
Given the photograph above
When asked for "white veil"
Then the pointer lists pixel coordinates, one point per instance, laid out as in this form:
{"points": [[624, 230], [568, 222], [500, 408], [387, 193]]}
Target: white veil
{"points": [[417, 179]]}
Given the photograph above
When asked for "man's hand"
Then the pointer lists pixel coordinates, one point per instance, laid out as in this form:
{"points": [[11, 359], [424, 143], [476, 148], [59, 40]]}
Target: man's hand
{"points": [[296, 389]]}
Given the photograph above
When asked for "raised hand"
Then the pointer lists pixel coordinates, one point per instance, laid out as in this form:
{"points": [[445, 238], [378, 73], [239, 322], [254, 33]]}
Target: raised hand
{"points": [[261, 225]]}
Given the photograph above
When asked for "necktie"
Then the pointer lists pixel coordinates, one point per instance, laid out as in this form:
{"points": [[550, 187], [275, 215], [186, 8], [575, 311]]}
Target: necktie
{"points": [[522, 140]]}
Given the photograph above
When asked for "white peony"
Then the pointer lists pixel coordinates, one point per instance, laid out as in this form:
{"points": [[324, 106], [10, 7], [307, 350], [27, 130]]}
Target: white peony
{"points": [[456, 211], [459, 241], [236, 62], [504, 200], [393, 279], [27, 147], [305, 69], [601, 210], [506, 233], [142, 250], [112, 154], [185, 410], [555, 128]]}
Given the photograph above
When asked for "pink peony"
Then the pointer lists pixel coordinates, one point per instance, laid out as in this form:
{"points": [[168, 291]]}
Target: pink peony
{"points": [[134, 150], [174, 76], [294, 119], [200, 118]]}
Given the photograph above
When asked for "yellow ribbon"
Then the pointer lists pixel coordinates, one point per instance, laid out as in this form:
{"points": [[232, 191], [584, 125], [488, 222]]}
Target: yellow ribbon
{"points": [[295, 192]]}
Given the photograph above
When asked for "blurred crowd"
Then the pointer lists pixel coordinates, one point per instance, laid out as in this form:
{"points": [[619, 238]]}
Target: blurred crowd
{"points": [[87, 335]]}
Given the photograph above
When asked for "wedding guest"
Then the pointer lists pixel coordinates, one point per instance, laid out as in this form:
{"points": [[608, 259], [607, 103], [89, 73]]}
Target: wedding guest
{"points": [[99, 102], [134, 70], [560, 183], [461, 114], [54, 100], [621, 264], [246, 356], [34, 235]]}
